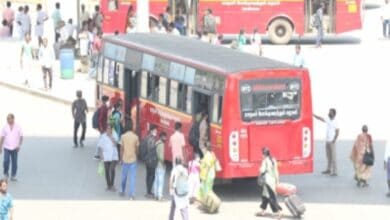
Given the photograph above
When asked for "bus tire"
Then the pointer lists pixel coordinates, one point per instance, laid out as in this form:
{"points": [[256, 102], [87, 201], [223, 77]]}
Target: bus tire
{"points": [[280, 31]]}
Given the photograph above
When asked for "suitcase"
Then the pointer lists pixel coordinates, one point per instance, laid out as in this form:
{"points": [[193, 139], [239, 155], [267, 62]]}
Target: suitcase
{"points": [[211, 202], [295, 206], [286, 189]]}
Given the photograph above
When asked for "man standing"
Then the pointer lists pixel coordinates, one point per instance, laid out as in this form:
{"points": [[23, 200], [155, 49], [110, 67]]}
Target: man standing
{"points": [[6, 208], [151, 160], [56, 17], [318, 24], [9, 16], [298, 58], [109, 154], [332, 132], [210, 25], [84, 43], [98, 19], [102, 119], [11, 141], [177, 142], [18, 32], [41, 18], [79, 111], [203, 131], [46, 57], [84, 15], [129, 149], [385, 17], [26, 21], [160, 169], [177, 183]]}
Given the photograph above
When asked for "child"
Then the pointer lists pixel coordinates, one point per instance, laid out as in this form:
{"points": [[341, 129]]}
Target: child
{"points": [[194, 181], [387, 165]]}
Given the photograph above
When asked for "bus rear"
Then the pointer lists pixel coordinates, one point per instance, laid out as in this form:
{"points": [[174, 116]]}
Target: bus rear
{"points": [[273, 109]]}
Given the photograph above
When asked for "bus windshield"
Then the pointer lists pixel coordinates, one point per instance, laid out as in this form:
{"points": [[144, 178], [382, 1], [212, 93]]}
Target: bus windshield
{"points": [[270, 99]]}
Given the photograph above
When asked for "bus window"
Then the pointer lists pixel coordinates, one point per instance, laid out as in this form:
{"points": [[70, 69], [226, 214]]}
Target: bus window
{"points": [[106, 71], [271, 100], [189, 100], [182, 97], [119, 75], [162, 91], [113, 5], [185, 98], [173, 94], [100, 69], [154, 84], [217, 109], [144, 84]]}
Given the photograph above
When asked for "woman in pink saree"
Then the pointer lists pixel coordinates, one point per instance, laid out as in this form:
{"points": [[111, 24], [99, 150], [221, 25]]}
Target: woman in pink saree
{"points": [[362, 144]]}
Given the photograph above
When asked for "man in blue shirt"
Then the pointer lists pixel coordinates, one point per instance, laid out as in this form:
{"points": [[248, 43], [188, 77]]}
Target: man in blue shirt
{"points": [[6, 205]]}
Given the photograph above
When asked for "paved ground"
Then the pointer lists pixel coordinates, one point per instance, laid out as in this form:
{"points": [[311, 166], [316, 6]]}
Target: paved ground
{"points": [[59, 182]]}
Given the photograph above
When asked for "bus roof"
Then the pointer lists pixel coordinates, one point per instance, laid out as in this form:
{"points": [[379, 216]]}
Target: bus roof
{"points": [[196, 52]]}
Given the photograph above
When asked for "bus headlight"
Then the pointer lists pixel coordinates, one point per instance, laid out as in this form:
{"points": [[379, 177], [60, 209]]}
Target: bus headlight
{"points": [[234, 146], [306, 142]]}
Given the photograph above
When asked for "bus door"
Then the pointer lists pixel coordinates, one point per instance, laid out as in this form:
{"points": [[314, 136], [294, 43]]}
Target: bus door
{"points": [[192, 17], [201, 102], [189, 10], [131, 88], [329, 18]]}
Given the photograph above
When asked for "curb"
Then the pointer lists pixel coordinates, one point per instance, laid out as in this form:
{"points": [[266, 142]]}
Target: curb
{"points": [[40, 94]]}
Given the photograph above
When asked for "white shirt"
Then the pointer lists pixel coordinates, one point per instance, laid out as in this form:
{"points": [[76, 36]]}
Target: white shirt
{"points": [[109, 150], [26, 23], [298, 60], [331, 127], [183, 201], [256, 38], [386, 12], [46, 56], [41, 17], [387, 151]]}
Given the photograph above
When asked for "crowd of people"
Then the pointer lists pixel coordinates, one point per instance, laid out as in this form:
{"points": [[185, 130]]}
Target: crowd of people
{"points": [[192, 176]]}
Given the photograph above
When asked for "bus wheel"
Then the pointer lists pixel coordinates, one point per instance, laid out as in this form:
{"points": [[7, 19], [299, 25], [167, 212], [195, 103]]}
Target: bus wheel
{"points": [[280, 31]]}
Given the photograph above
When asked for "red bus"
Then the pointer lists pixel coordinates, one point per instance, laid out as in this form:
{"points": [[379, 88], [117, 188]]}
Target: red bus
{"points": [[252, 101], [281, 19]]}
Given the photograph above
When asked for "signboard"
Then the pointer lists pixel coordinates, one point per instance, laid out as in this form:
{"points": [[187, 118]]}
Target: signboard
{"points": [[189, 76], [177, 71], [115, 52], [133, 59], [148, 62], [161, 67]]}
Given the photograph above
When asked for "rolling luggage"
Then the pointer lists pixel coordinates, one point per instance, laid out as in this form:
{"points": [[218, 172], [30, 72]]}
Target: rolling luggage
{"points": [[211, 202], [295, 205], [286, 189]]}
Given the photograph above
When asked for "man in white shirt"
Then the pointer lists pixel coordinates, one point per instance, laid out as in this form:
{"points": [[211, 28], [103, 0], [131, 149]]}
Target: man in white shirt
{"points": [[332, 133], [298, 58], [46, 58], [387, 165], [180, 202], [109, 154], [41, 18], [26, 21], [385, 17]]}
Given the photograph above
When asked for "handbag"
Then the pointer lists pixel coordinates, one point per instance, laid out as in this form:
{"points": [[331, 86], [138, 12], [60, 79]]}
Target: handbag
{"points": [[261, 180], [100, 170], [368, 158]]}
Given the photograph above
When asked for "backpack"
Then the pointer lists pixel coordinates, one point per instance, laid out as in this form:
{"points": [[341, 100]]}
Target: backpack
{"points": [[182, 186], [143, 149], [193, 136], [95, 119], [151, 159]]}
